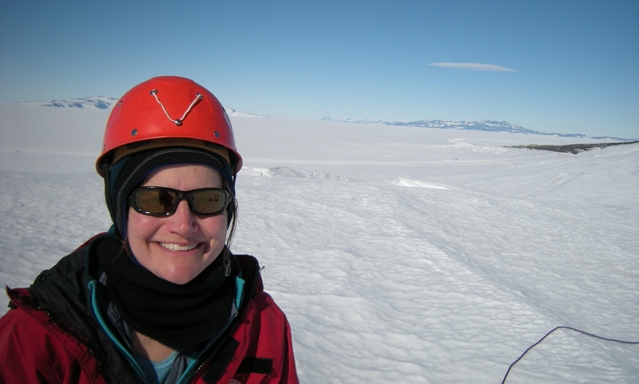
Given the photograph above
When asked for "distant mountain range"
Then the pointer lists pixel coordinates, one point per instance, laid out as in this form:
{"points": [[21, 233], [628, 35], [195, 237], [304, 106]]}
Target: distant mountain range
{"points": [[486, 125], [85, 102]]}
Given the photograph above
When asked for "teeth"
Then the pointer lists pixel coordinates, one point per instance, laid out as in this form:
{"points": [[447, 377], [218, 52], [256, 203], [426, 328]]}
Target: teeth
{"points": [[176, 247]]}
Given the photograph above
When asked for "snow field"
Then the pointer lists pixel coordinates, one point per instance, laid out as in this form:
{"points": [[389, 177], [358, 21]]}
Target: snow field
{"points": [[398, 254]]}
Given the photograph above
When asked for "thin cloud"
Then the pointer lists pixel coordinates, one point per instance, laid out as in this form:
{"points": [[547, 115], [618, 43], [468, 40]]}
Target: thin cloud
{"points": [[474, 67]]}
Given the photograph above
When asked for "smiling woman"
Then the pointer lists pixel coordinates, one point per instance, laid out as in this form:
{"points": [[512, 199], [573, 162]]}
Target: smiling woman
{"points": [[178, 247], [160, 298]]}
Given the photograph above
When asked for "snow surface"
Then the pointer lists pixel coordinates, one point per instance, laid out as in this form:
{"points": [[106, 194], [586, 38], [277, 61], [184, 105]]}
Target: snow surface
{"points": [[399, 254]]}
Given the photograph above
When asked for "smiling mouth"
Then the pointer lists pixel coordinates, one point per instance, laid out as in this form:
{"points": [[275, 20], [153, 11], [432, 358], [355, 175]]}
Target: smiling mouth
{"points": [[177, 247]]}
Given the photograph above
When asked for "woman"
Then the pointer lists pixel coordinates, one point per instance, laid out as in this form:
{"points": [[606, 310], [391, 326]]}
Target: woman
{"points": [[159, 298]]}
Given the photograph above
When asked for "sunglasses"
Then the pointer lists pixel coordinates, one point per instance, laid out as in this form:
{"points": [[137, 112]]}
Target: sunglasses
{"points": [[160, 201]]}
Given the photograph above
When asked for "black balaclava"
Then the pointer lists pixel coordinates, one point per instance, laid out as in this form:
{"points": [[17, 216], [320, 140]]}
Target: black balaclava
{"points": [[129, 172]]}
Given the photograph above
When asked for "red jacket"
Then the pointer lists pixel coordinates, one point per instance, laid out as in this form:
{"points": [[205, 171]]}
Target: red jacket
{"points": [[49, 335]]}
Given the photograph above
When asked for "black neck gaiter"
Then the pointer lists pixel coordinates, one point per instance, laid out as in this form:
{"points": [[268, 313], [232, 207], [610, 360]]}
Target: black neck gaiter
{"points": [[179, 316]]}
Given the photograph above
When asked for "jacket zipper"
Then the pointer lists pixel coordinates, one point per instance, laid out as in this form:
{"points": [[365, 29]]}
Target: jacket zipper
{"points": [[132, 362], [239, 295]]}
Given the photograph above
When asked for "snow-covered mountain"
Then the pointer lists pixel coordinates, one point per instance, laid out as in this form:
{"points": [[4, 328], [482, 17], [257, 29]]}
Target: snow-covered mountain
{"points": [[99, 102], [486, 125]]}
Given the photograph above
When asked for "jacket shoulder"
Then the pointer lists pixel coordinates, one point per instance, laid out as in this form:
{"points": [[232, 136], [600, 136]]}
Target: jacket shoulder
{"points": [[33, 350], [51, 324]]}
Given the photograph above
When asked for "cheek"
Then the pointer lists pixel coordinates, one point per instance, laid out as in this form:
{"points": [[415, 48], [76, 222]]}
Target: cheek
{"points": [[215, 226], [139, 226]]}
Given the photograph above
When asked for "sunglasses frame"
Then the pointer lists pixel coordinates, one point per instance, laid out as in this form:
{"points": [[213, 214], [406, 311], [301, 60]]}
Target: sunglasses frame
{"points": [[181, 195]]}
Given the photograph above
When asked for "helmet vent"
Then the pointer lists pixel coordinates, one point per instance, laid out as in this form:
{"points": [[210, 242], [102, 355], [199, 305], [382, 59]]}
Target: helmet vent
{"points": [[178, 122]]}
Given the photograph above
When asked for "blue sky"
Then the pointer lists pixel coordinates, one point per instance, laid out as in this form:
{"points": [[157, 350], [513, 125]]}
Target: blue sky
{"points": [[557, 66]]}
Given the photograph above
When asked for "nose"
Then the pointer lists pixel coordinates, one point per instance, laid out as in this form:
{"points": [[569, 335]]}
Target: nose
{"points": [[182, 221]]}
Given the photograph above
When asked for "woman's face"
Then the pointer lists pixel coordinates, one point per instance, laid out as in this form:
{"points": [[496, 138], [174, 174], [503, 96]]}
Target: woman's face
{"points": [[177, 248]]}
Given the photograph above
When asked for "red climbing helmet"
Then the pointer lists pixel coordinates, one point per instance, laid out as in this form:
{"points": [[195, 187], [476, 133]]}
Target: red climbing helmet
{"points": [[164, 112]]}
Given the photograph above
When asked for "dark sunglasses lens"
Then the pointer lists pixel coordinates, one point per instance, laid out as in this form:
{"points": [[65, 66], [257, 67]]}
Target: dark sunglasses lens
{"points": [[154, 201], [208, 202]]}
